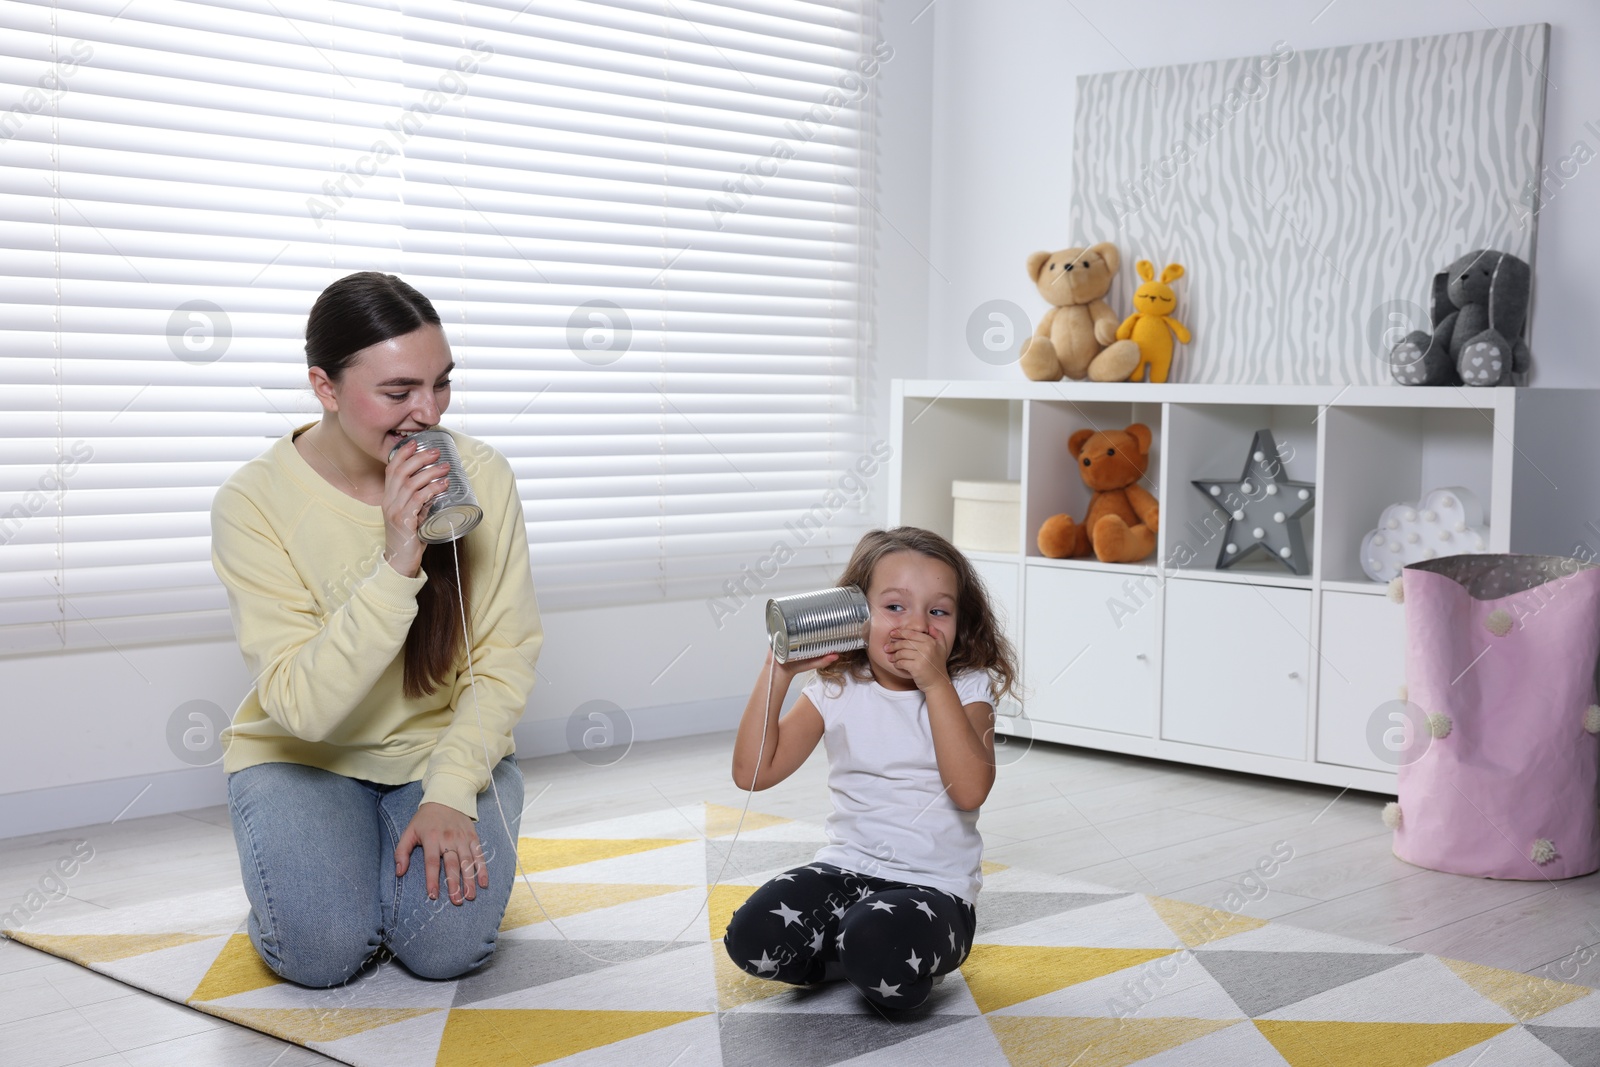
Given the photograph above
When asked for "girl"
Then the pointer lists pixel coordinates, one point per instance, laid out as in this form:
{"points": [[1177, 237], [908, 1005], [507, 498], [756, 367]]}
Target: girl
{"points": [[908, 723], [357, 764]]}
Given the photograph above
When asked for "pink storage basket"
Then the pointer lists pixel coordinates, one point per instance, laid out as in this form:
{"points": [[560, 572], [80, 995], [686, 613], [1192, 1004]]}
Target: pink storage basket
{"points": [[1500, 657]]}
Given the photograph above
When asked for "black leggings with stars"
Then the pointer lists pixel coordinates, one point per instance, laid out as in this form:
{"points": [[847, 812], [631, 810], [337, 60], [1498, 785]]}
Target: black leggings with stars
{"points": [[889, 939]]}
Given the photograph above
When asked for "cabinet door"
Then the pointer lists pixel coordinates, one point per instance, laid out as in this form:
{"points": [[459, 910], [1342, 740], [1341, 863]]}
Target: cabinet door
{"points": [[1363, 666], [1086, 664], [1234, 666]]}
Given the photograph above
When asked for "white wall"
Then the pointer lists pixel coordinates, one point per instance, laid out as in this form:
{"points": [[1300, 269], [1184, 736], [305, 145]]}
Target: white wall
{"points": [[902, 218], [85, 733], [1005, 94]]}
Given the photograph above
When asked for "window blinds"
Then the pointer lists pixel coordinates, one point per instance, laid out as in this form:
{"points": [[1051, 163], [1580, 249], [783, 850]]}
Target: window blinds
{"points": [[640, 222]]}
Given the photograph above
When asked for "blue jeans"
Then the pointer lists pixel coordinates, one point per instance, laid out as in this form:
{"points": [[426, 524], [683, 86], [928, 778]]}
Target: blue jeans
{"points": [[317, 853]]}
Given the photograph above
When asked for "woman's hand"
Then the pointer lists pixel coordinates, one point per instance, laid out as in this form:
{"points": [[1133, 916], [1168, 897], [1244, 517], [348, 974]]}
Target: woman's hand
{"points": [[922, 655], [410, 481], [447, 839]]}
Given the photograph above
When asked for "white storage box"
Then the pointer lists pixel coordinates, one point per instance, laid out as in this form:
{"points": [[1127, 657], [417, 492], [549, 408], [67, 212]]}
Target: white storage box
{"points": [[988, 516]]}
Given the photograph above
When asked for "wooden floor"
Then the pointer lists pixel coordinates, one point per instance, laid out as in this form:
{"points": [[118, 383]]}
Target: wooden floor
{"points": [[1183, 832]]}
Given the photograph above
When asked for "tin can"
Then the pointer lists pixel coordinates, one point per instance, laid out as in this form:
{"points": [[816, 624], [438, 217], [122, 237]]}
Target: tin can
{"points": [[807, 625], [454, 512]]}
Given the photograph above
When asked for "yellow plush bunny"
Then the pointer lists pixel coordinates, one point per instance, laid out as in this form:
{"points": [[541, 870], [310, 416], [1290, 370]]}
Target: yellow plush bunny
{"points": [[1151, 325]]}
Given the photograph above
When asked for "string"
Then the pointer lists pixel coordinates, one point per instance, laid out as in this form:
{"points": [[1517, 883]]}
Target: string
{"points": [[472, 684]]}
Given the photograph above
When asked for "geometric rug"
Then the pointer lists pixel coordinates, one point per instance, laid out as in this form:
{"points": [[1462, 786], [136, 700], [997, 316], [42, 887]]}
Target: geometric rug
{"points": [[619, 964]]}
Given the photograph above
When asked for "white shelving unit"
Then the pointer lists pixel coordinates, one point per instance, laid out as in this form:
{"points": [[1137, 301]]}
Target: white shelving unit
{"points": [[1254, 668]]}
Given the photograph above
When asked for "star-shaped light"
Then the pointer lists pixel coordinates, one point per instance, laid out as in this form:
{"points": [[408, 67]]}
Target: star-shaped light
{"points": [[786, 913], [884, 989], [838, 911], [915, 962], [816, 870], [765, 964], [816, 943], [952, 930], [934, 969], [881, 905], [922, 906], [838, 941], [1263, 508], [785, 877]]}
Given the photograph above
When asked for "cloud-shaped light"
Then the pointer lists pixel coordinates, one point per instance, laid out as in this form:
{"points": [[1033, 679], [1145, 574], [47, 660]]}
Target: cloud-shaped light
{"points": [[1447, 522]]}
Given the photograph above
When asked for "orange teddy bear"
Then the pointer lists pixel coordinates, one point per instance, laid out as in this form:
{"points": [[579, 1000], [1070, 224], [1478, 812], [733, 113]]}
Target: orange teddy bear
{"points": [[1123, 518]]}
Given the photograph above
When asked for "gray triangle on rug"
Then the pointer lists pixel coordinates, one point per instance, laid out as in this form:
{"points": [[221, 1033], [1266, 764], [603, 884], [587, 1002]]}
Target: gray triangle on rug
{"points": [[518, 964], [751, 858], [1578, 1045], [1262, 982], [758, 1039], [1001, 910]]}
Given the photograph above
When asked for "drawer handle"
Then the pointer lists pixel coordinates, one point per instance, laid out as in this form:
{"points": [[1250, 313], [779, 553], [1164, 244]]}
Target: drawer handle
{"points": [[1140, 655], [1294, 674]]}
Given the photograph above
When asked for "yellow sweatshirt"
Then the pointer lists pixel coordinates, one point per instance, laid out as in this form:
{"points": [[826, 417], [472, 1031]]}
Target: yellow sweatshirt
{"points": [[322, 620]]}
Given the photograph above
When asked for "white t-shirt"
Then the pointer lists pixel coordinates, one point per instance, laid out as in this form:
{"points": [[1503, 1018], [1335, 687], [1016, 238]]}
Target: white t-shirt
{"points": [[891, 816]]}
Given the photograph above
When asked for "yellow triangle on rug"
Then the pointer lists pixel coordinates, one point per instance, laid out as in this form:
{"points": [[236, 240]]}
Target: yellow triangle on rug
{"points": [[302, 1025], [722, 902], [87, 949], [524, 1037], [1053, 1042], [237, 969], [1002, 975], [721, 821], [1316, 1044], [548, 853], [1198, 925], [1525, 996]]}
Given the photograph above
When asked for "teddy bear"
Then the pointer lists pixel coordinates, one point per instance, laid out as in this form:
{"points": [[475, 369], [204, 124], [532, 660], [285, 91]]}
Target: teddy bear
{"points": [[1151, 326], [1121, 523], [1077, 338], [1480, 307]]}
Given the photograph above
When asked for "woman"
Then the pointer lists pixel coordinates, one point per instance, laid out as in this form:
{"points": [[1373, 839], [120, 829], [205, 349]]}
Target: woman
{"points": [[357, 765]]}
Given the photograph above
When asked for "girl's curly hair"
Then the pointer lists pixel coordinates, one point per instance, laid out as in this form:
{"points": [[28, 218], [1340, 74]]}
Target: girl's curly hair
{"points": [[979, 645]]}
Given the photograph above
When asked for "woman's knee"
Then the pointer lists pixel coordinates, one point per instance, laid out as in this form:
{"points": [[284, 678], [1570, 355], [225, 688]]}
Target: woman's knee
{"points": [[309, 956], [440, 958]]}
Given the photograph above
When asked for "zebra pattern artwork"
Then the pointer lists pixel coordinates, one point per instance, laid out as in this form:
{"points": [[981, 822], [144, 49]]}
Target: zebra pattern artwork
{"points": [[1312, 195]]}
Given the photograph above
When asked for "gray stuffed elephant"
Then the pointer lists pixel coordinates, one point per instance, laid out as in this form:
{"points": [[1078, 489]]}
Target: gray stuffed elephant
{"points": [[1480, 309]]}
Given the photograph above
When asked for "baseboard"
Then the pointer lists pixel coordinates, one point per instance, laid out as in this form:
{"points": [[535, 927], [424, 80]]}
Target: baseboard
{"points": [[67, 807], [40, 811]]}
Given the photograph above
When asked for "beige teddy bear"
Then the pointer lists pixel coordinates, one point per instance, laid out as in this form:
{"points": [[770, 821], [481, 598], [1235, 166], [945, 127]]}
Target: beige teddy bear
{"points": [[1077, 338]]}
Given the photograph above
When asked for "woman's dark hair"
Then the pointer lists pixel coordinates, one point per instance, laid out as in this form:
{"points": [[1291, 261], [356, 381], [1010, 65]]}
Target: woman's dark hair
{"points": [[979, 644], [355, 312]]}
